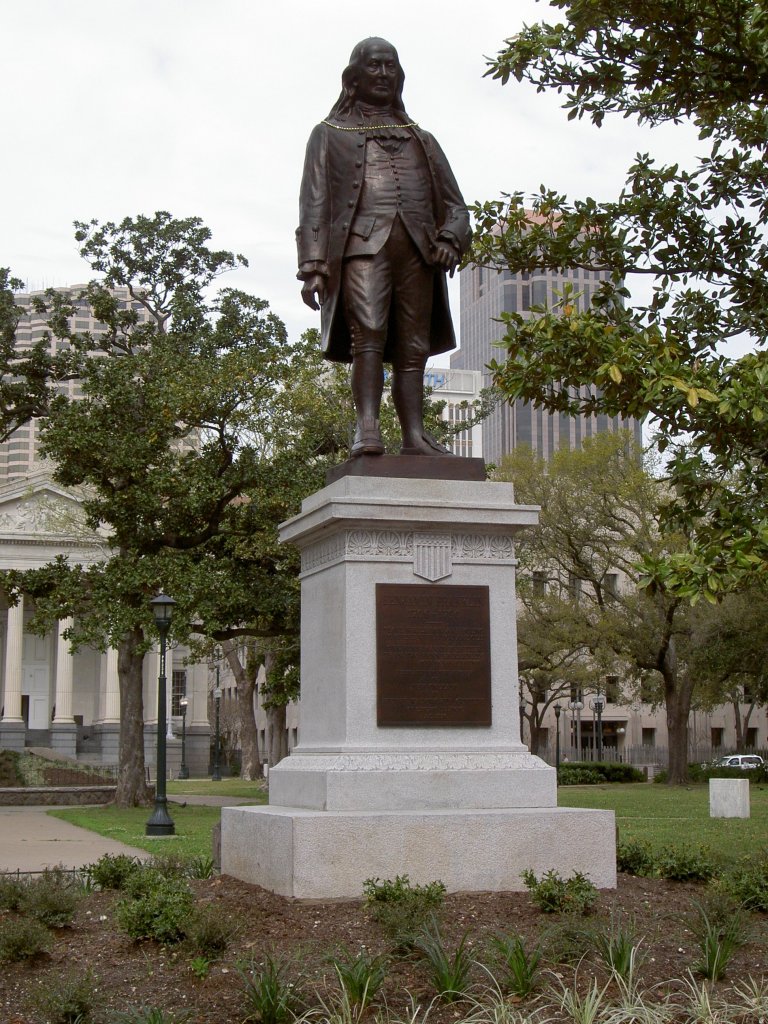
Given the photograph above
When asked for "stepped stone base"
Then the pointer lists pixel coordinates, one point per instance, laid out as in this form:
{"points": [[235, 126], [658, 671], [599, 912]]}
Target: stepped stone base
{"points": [[324, 855]]}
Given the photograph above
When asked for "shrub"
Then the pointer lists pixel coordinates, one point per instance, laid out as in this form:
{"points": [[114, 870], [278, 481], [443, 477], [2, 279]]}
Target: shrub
{"points": [[52, 898], [22, 938], [360, 976], [719, 935], [11, 892], [635, 857], [566, 941], [683, 864], [148, 1015], [519, 965], [402, 909], [169, 865], [10, 776], [576, 775], [155, 907], [208, 932], [554, 894], [449, 973], [269, 997], [69, 1001], [201, 866], [113, 871], [747, 884], [583, 773], [617, 947]]}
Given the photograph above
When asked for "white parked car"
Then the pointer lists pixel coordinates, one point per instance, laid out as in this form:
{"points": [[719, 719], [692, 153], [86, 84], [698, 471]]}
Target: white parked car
{"points": [[745, 761]]}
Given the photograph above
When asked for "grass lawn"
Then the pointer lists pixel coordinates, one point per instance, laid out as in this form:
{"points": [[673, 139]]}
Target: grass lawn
{"points": [[676, 816], [193, 823], [256, 792]]}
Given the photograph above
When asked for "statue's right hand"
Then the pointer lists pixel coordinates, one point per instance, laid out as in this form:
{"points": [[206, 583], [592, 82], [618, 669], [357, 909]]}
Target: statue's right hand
{"points": [[314, 290]]}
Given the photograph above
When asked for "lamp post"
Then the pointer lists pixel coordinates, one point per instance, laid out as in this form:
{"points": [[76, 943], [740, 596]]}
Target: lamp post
{"points": [[160, 822], [183, 768], [216, 776], [598, 703], [557, 709]]}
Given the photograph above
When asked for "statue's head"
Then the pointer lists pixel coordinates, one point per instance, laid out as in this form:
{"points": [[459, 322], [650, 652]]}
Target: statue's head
{"points": [[373, 76]]}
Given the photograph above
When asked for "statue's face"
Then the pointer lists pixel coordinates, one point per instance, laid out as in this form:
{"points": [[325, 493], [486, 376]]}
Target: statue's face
{"points": [[376, 81]]}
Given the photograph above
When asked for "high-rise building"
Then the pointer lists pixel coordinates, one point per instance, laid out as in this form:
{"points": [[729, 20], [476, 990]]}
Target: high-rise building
{"points": [[20, 454], [484, 296]]}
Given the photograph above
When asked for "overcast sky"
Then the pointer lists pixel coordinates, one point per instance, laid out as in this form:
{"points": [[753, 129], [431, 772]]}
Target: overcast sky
{"points": [[114, 108]]}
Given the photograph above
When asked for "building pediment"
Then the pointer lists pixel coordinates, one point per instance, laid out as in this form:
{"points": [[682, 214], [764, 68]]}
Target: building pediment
{"points": [[37, 507]]}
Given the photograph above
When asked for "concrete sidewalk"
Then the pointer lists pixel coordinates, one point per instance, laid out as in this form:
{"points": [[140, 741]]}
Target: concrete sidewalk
{"points": [[32, 840]]}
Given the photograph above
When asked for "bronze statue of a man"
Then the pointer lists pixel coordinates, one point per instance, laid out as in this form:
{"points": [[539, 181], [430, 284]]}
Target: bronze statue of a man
{"points": [[381, 222]]}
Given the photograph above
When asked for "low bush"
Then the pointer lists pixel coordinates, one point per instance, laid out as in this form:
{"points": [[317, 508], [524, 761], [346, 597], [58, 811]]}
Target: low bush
{"points": [[113, 871], [360, 976], [52, 898], [70, 1001], [585, 773], [270, 998], [208, 932], [635, 857], [11, 892], [517, 965], [449, 972], [402, 909], [747, 884], [697, 773], [10, 776], [556, 895], [684, 864], [155, 907], [578, 775], [22, 938]]}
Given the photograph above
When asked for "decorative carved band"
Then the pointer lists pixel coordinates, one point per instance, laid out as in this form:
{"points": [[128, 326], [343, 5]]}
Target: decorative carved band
{"points": [[432, 553]]}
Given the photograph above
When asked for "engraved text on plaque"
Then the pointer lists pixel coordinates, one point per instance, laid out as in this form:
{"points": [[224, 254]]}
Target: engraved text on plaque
{"points": [[433, 655]]}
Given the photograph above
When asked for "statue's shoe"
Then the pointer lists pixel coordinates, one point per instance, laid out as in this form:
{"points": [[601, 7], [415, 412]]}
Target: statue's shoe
{"points": [[427, 446], [367, 439]]}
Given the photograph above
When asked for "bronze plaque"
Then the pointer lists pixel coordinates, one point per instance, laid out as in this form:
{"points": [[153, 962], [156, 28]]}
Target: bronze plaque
{"points": [[433, 655]]}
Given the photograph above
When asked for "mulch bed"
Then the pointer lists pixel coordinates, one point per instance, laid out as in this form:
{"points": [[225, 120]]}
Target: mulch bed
{"points": [[146, 974]]}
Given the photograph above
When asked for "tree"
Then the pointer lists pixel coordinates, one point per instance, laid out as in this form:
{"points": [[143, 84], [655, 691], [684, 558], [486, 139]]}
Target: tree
{"points": [[156, 440], [28, 375], [730, 659], [696, 234], [599, 518]]}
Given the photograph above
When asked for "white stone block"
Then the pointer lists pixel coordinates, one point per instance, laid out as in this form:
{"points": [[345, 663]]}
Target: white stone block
{"points": [[320, 855], [729, 798]]}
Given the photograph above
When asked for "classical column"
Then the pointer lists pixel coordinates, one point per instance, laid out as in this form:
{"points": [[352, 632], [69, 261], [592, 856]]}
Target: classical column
{"points": [[64, 675], [111, 688], [13, 669]]}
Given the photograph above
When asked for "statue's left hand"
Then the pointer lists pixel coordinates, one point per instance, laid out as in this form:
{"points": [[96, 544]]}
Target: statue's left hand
{"points": [[446, 256]]}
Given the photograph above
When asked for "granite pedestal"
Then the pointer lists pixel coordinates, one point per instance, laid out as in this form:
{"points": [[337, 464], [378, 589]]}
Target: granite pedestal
{"points": [[410, 764]]}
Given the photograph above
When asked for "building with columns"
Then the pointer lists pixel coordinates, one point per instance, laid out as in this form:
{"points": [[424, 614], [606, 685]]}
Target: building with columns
{"points": [[70, 701], [51, 696]]}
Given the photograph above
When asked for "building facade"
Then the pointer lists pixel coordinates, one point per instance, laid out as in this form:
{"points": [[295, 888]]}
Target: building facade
{"points": [[484, 296], [52, 696]]}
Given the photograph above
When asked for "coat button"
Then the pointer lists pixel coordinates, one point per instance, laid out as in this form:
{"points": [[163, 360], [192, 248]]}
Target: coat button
{"points": [[344, 226], [358, 163], [351, 203]]}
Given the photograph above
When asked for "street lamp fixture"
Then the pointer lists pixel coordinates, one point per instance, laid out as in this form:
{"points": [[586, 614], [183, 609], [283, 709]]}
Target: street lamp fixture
{"points": [[183, 768], [160, 822], [598, 704], [557, 709]]}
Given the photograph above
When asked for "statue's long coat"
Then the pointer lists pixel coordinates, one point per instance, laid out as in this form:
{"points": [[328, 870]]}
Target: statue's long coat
{"points": [[334, 169]]}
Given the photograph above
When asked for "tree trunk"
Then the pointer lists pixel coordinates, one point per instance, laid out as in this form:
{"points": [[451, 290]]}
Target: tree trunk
{"points": [[677, 698], [277, 740], [246, 705], [132, 789], [740, 745]]}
